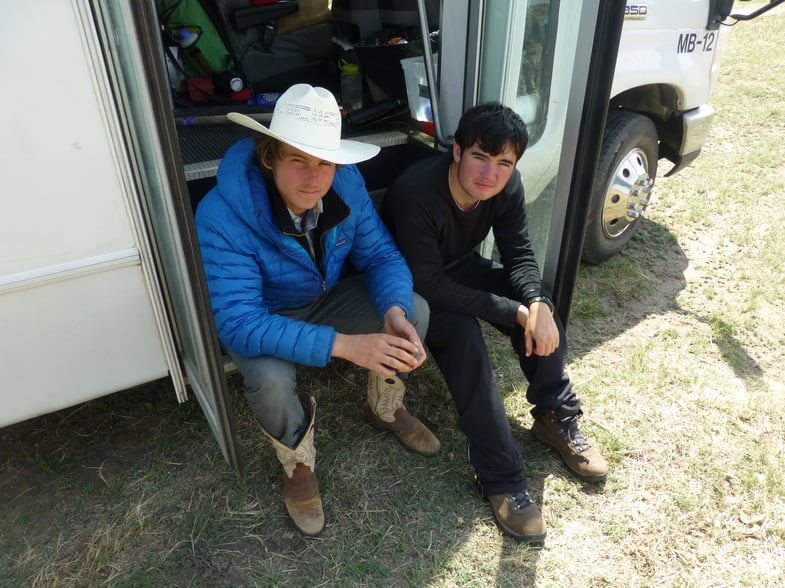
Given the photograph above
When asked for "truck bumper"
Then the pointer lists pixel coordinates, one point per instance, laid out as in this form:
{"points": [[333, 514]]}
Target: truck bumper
{"points": [[695, 127]]}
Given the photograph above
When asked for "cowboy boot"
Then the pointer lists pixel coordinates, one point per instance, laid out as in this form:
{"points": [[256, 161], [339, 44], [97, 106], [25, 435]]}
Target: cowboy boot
{"points": [[300, 488], [386, 412]]}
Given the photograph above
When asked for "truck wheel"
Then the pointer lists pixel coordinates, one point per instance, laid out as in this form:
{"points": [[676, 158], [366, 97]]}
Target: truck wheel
{"points": [[623, 185]]}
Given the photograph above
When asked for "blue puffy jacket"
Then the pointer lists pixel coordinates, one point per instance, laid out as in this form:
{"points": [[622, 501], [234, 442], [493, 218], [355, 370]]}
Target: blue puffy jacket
{"points": [[253, 269]]}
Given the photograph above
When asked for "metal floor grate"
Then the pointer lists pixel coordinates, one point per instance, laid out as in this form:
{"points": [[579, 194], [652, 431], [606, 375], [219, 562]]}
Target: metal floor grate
{"points": [[203, 146]]}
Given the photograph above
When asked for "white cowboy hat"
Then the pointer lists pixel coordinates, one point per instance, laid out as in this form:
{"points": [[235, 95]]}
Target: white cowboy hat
{"points": [[309, 119]]}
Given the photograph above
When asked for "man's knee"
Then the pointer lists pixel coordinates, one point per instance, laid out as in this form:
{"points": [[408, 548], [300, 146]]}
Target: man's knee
{"points": [[268, 377], [271, 392], [456, 331]]}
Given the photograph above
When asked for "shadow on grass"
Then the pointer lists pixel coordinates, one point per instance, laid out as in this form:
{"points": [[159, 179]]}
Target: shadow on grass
{"points": [[610, 298], [643, 280], [131, 489], [733, 352]]}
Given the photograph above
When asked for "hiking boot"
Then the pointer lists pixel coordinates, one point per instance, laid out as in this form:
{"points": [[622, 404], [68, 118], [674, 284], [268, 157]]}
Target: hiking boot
{"points": [[562, 434], [386, 412], [518, 517]]}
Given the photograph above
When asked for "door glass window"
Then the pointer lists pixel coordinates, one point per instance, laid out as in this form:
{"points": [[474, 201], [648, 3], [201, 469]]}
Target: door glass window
{"points": [[150, 149], [537, 65], [534, 79]]}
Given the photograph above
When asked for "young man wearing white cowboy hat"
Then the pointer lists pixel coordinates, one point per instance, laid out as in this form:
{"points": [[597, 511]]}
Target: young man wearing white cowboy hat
{"points": [[288, 213]]}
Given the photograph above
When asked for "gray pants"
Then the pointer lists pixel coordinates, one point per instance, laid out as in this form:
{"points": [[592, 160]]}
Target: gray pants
{"points": [[271, 383]]}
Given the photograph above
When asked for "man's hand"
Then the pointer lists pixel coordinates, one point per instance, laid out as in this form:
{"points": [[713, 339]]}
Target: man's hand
{"points": [[398, 349], [542, 335]]}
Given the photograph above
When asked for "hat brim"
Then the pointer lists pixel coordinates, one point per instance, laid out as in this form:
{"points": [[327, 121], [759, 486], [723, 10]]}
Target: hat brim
{"points": [[348, 152]]}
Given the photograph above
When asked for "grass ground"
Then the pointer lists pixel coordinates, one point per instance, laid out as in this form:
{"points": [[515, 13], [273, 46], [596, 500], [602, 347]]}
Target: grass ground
{"points": [[678, 350]]}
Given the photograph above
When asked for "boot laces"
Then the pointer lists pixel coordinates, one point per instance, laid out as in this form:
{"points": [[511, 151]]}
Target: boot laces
{"points": [[519, 500], [577, 440]]}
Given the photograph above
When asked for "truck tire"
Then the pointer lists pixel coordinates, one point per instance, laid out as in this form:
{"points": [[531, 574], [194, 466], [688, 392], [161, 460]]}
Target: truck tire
{"points": [[622, 186]]}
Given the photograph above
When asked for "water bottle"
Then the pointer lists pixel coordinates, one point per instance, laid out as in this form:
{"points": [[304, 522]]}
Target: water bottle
{"points": [[351, 86]]}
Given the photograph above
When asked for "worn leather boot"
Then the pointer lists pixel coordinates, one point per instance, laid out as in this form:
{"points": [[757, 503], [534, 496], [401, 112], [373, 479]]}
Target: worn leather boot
{"points": [[300, 488], [518, 516], [559, 430], [386, 412]]}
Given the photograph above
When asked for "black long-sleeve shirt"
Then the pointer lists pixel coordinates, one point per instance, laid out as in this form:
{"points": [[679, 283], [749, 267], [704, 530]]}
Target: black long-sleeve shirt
{"points": [[432, 232]]}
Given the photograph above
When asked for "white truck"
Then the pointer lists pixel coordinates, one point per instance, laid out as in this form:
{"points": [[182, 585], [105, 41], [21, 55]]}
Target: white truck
{"points": [[101, 285], [668, 60], [669, 56]]}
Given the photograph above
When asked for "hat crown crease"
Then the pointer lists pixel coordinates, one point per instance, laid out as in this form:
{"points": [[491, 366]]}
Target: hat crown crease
{"points": [[307, 124]]}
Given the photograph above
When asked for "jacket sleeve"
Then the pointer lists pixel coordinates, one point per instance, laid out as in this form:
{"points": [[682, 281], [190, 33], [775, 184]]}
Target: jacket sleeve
{"points": [[242, 319], [374, 252]]}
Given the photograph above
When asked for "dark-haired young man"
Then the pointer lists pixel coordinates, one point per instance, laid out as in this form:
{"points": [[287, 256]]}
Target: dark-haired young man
{"points": [[439, 210]]}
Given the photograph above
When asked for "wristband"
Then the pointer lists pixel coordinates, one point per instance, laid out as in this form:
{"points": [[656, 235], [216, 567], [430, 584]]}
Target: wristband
{"points": [[548, 302]]}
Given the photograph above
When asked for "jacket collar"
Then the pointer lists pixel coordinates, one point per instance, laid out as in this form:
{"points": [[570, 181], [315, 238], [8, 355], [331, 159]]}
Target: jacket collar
{"points": [[334, 210]]}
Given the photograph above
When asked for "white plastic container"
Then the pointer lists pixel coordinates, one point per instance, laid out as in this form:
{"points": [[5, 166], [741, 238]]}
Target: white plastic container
{"points": [[418, 93]]}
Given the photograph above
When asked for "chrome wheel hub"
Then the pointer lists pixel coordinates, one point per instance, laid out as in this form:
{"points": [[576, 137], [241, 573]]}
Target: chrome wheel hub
{"points": [[628, 193]]}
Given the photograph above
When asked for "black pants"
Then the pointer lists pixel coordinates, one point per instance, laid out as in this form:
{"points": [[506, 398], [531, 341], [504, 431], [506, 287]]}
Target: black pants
{"points": [[456, 343]]}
